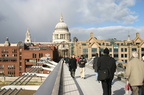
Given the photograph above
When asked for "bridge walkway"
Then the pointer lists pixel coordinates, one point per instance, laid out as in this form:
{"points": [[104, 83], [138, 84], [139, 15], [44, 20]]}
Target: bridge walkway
{"points": [[88, 86]]}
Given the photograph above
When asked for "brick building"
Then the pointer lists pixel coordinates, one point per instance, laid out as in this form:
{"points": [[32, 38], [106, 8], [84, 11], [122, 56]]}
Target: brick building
{"points": [[18, 58]]}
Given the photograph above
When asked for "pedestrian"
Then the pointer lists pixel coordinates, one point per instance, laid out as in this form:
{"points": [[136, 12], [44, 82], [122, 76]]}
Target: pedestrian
{"points": [[95, 64], [72, 66], [135, 74], [82, 61], [66, 59], [77, 58], [106, 62]]}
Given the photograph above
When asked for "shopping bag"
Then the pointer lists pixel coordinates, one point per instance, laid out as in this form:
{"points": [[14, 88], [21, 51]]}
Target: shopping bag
{"points": [[127, 88]]}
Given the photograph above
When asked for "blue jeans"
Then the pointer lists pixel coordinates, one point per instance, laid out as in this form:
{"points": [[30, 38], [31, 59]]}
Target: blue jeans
{"points": [[96, 76]]}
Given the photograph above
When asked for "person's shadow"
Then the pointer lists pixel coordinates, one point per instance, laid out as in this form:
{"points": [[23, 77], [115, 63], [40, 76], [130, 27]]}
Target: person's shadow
{"points": [[89, 75], [115, 80], [86, 76], [121, 91]]}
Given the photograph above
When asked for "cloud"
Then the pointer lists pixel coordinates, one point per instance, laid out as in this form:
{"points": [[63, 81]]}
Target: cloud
{"points": [[99, 11], [41, 16], [103, 33]]}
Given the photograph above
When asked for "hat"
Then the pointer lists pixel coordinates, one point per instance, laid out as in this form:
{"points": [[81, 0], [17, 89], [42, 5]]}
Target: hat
{"points": [[106, 51]]}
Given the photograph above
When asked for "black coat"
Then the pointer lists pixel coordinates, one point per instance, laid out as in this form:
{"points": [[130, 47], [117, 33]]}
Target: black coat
{"points": [[82, 62], [95, 64], [106, 61], [72, 64]]}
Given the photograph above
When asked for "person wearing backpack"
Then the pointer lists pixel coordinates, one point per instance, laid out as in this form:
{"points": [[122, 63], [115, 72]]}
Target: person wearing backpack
{"points": [[106, 62]]}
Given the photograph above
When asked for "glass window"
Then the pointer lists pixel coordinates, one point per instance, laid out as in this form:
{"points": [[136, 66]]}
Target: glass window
{"points": [[40, 55], [134, 49], [115, 55], [116, 50], [125, 49], [83, 44], [121, 49], [142, 49], [34, 55], [94, 49], [85, 50], [110, 49]]}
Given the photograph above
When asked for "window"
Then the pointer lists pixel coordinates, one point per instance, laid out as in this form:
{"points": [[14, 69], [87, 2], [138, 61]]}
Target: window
{"points": [[110, 49], [142, 49], [115, 55], [14, 50], [34, 55], [56, 36], [11, 72], [94, 50], [14, 55], [11, 66], [85, 50], [125, 49], [134, 49], [1, 66], [1, 72], [122, 55], [83, 44], [122, 50], [4, 50], [40, 55], [116, 50]]}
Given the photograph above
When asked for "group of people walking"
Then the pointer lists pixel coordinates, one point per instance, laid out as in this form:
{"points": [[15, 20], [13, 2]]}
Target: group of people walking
{"points": [[73, 65], [134, 72]]}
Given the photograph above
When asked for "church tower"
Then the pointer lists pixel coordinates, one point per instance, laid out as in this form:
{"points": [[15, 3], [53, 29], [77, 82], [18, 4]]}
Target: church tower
{"points": [[61, 32], [7, 43], [28, 37]]}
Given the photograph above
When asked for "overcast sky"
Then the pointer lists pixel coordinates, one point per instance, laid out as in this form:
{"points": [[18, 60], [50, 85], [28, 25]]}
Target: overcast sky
{"points": [[105, 18]]}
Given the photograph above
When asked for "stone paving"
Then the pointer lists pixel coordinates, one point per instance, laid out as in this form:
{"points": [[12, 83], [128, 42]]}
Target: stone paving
{"points": [[88, 86]]}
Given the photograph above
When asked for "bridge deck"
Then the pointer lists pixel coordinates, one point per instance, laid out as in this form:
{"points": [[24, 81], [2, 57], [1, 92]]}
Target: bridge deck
{"points": [[88, 86]]}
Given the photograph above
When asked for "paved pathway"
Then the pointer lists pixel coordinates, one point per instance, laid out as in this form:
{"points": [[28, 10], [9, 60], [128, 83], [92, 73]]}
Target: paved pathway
{"points": [[88, 86]]}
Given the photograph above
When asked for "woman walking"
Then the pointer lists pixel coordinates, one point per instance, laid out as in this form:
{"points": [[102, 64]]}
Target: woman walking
{"points": [[72, 66]]}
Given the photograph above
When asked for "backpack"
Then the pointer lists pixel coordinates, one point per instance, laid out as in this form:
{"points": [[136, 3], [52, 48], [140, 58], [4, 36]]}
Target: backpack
{"points": [[103, 75]]}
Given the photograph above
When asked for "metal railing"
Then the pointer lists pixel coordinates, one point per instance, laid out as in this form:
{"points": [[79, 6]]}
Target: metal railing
{"points": [[51, 86]]}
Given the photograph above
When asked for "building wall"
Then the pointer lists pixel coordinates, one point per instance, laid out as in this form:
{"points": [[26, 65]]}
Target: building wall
{"points": [[120, 50], [14, 60]]}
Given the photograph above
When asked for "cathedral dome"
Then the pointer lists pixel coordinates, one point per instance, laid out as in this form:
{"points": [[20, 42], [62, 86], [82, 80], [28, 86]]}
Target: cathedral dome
{"points": [[61, 32], [61, 26]]}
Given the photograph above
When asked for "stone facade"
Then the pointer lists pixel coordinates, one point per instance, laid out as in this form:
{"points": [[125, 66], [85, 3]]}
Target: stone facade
{"points": [[120, 50]]}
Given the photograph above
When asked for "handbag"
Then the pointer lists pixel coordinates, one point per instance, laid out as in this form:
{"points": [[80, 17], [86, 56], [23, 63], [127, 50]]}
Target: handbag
{"points": [[103, 75]]}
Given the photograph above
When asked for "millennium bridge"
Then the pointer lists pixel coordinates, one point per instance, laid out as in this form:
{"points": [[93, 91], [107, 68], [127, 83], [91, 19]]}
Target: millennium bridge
{"points": [[59, 81]]}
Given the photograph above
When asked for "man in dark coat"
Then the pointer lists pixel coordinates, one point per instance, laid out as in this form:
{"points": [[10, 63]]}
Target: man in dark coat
{"points": [[107, 62], [72, 66], [95, 64]]}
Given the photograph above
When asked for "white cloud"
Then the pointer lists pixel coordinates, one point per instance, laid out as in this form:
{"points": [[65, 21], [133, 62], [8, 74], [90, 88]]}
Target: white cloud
{"points": [[41, 16], [103, 33]]}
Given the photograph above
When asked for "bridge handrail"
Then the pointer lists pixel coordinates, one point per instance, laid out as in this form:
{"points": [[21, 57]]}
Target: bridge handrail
{"points": [[51, 85]]}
